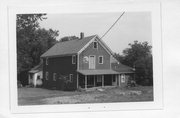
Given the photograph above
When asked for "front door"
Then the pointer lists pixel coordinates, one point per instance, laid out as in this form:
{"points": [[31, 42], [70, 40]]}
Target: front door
{"points": [[92, 62]]}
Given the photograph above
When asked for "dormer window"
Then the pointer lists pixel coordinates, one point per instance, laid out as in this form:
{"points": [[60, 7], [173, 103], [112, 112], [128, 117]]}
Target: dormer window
{"points": [[73, 59], [95, 45], [46, 61]]}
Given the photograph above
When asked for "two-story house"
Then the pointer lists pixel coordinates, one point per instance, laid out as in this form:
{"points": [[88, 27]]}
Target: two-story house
{"points": [[86, 62]]}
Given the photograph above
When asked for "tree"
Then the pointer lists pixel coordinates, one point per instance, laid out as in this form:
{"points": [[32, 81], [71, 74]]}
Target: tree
{"points": [[68, 38], [32, 40], [119, 57], [139, 56], [135, 52], [28, 21], [44, 39]]}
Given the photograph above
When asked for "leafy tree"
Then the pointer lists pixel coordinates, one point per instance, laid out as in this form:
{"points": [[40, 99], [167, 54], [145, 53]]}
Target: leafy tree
{"points": [[135, 52], [68, 38], [44, 39], [119, 57], [139, 56], [28, 21], [144, 71], [32, 40]]}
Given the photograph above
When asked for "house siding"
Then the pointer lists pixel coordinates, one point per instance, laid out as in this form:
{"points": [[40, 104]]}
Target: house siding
{"points": [[100, 51], [60, 66]]}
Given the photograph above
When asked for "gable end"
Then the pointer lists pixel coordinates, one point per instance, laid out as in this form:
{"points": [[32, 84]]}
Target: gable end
{"points": [[108, 50]]}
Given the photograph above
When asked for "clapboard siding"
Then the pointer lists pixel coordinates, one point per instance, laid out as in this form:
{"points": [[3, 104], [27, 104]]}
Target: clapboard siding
{"points": [[97, 52], [60, 66]]}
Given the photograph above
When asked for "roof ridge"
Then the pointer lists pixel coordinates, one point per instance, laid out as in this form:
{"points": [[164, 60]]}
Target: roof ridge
{"points": [[67, 47], [77, 39]]}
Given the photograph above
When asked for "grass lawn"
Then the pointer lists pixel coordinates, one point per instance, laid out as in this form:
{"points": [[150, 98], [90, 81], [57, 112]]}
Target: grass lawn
{"points": [[39, 96]]}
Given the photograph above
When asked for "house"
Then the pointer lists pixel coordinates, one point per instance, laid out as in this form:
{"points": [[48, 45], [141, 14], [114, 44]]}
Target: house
{"points": [[85, 62], [35, 76]]}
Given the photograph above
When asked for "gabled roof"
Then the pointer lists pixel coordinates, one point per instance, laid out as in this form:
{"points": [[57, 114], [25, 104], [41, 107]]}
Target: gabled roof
{"points": [[68, 47], [36, 68], [121, 68]]}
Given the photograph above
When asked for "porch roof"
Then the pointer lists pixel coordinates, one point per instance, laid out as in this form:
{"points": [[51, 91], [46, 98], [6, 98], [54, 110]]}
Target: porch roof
{"points": [[36, 68], [97, 72]]}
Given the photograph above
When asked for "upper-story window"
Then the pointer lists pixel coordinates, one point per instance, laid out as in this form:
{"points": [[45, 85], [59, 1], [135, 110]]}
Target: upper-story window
{"points": [[100, 59], [73, 59], [54, 76], [47, 61], [95, 44]]}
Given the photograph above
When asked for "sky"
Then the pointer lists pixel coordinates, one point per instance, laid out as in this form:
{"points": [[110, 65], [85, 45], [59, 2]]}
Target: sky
{"points": [[131, 26]]}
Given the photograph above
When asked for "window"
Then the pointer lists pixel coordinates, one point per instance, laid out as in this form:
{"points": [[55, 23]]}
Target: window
{"points": [[99, 78], [123, 78], [95, 44], [100, 59], [47, 75], [114, 79], [74, 59], [54, 76], [47, 61], [38, 77], [71, 77]]}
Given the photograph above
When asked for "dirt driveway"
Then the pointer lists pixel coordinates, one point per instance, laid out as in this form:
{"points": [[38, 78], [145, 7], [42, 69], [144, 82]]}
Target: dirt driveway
{"points": [[38, 96]]}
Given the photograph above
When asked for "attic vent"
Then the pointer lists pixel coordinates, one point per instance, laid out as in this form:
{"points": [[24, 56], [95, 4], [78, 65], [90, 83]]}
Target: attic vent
{"points": [[81, 35]]}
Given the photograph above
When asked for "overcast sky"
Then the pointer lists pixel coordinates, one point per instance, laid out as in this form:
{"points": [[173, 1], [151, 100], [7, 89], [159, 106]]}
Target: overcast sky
{"points": [[132, 26]]}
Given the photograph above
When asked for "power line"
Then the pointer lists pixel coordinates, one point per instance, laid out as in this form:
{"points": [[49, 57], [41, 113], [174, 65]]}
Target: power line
{"points": [[113, 25]]}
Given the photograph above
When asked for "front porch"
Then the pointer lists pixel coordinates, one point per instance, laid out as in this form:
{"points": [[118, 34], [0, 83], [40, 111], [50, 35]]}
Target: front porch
{"points": [[100, 78], [89, 81]]}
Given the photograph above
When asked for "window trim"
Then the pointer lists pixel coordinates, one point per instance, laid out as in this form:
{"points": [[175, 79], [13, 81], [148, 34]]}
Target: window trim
{"points": [[47, 60], [54, 76], [47, 75], [73, 59], [123, 78], [102, 59], [96, 44], [94, 61], [71, 77]]}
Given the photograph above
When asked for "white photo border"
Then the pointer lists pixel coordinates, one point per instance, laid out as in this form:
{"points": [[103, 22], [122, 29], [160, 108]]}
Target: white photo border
{"points": [[83, 7]]}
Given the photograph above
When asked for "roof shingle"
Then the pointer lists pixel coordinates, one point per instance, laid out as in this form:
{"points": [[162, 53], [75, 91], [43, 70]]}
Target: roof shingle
{"points": [[36, 68], [121, 68], [67, 47]]}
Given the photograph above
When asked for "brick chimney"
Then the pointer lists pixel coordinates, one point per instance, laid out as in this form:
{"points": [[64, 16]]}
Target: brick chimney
{"points": [[81, 35]]}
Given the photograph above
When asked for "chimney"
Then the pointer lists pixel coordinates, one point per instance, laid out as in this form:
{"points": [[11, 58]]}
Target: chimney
{"points": [[81, 35]]}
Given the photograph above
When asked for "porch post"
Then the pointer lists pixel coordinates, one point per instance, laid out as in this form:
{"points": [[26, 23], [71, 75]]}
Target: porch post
{"points": [[94, 81], [77, 80], [102, 80], [117, 82], [35, 77], [119, 79], [112, 79], [29, 78], [85, 81]]}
